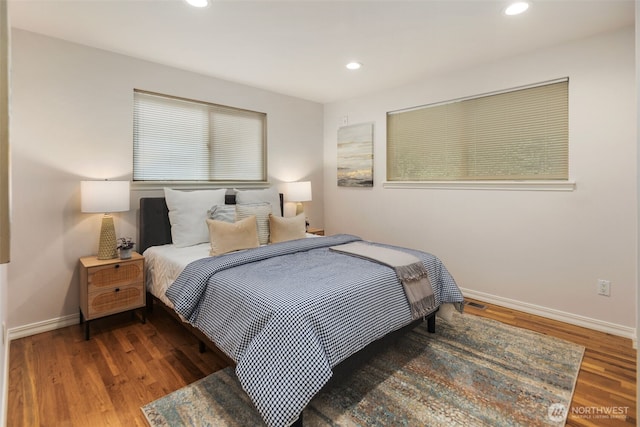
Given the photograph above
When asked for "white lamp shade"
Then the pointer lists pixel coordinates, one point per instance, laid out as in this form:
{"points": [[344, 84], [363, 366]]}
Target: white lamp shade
{"points": [[104, 196], [298, 191]]}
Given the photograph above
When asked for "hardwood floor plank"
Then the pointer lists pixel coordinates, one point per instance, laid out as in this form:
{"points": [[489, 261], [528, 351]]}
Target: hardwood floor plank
{"points": [[70, 397], [59, 379]]}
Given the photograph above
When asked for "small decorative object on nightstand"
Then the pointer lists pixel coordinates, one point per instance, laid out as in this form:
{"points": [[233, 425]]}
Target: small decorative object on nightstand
{"points": [[316, 231], [109, 287], [125, 247]]}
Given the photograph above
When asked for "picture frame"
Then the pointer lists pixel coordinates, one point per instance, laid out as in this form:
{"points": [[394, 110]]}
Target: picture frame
{"points": [[355, 155]]}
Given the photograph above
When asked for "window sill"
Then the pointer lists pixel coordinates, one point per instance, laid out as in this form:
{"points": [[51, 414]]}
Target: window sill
{"points": [[196, 185], [484, 185]]}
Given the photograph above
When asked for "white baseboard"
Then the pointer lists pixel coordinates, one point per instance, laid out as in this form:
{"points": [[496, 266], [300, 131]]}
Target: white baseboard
{"points": [[573, 319], [43, 326], [5, 376]]}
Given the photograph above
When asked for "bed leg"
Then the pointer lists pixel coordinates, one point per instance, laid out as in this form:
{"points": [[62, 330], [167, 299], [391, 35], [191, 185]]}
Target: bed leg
{"points": [[149, 303], [431, 323], [298, 422]]}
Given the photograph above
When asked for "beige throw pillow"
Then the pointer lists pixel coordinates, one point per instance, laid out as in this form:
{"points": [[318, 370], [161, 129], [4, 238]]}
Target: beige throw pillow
{"points": [[227, 237], [283, 229]]}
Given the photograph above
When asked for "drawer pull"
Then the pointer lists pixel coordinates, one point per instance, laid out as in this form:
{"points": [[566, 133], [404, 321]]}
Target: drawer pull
{"points": [[117, 289], [116, 266]]}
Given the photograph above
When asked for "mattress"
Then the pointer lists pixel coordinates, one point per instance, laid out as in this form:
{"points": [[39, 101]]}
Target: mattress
{"points": [[165, 263]]}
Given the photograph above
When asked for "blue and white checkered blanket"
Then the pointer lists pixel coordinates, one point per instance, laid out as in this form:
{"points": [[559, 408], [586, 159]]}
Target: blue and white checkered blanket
{"points": [[288, 312]]}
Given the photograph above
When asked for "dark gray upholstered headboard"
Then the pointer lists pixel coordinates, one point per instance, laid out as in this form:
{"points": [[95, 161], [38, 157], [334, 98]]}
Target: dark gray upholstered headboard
{"points": [[155, 229]]}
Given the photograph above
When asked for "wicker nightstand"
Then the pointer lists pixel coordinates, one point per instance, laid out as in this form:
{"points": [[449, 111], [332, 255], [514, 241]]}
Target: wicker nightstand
{"points": [[110, 286]]}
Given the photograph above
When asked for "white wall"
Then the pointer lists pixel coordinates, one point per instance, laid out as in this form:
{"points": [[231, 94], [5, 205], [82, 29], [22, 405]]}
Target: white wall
{"points": [[72, 106], [72, 112], [542, 250]]}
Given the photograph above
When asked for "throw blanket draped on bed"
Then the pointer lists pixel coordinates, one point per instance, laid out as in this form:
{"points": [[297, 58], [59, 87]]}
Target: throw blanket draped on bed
{"points": [[409, 269], [288, 312]]}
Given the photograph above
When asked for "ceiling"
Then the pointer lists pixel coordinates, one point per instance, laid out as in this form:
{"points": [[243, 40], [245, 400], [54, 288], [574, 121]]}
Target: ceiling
{"points": [[300, 47]]}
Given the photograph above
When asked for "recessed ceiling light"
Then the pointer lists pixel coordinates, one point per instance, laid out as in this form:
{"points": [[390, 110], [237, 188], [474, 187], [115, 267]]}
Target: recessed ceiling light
{"points": [[516, 8], [354, 65], [198, 3]]}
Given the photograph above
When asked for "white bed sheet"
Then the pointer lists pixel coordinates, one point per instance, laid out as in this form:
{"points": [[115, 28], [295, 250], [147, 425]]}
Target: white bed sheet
{"points": [[165, 263]]}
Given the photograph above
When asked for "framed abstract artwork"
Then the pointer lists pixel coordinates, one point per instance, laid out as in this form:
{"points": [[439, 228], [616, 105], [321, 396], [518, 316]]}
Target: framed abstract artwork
{"points": [[355, 155]]}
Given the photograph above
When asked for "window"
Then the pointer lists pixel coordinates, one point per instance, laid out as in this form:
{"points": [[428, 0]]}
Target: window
{"points": [[176, 139], [519, 134]]}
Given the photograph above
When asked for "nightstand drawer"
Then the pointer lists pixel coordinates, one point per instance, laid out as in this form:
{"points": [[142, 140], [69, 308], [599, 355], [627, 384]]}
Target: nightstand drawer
{"points": [[115, 300], [118, 274]]}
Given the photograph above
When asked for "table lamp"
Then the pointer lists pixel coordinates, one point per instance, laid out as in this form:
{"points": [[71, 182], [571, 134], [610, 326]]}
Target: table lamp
{"points": [[298, 192], [105, 197]]}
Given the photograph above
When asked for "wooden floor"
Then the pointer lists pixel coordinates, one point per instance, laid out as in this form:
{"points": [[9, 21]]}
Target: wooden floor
{"points": [[59, 379]]}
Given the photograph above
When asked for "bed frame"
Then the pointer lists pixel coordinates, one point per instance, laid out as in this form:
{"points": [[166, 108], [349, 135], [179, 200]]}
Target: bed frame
{"points": [[155, 230]]}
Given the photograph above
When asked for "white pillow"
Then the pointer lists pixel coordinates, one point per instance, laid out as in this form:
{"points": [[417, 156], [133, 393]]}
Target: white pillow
{"points": [[268, 195], [188, 214], [226, 213]]}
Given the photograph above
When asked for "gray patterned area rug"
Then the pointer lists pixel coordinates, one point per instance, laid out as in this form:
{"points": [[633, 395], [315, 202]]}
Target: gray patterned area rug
{"points": [[471, 372]]}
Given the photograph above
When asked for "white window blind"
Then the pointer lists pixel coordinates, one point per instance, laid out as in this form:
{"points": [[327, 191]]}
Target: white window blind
{"points": [[513, 135], [182, 140]]}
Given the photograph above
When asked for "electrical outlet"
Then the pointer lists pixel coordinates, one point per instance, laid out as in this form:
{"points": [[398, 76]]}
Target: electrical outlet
{"points": [[604, 287], [344, 120]]}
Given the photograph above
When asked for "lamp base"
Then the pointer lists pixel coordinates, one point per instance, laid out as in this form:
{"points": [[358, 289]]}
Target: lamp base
{"points": [[107, 246], [299, 208]]}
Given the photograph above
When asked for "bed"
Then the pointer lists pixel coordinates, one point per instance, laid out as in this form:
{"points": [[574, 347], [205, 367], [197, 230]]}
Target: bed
{"points": [[288, 315]]}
